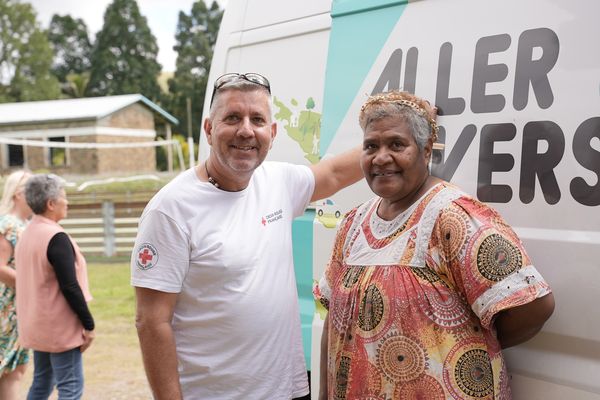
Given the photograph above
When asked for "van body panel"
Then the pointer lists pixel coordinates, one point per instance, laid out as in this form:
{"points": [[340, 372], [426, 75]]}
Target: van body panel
{"points": [[517, 85]]}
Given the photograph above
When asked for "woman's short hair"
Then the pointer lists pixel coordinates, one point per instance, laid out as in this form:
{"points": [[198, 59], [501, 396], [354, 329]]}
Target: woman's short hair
{"points": [[40, 188], [417, 113], [12, 184]]}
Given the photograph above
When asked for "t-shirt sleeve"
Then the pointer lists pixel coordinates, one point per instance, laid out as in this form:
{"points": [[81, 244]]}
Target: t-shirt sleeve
{"points": [[322, 290], [300, 183], [160, 257], [483, 258]]}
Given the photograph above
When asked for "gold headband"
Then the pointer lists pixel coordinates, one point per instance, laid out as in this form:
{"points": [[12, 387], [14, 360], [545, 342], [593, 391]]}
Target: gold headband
{"points": [[397, 99]]}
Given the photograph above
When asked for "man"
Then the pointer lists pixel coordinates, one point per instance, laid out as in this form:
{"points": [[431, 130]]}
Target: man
{"points": [[217, 314]]}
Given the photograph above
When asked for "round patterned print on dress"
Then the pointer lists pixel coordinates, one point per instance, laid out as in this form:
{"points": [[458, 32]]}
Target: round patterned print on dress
{"points": [[351, 276], [427, 275], [453, 228], [374, 314], [401, 358], [424, 388], [341, 377], [445, 308], [497, 258], [371, 309], [468, 370]]}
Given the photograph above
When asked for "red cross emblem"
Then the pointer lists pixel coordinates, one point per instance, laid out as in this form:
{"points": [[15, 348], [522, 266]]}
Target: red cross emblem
{"points": [[264, 221], [147, 256]]}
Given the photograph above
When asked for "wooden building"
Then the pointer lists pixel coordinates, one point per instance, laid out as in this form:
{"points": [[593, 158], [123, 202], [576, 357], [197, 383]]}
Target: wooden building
{"points": [[101, 126]]}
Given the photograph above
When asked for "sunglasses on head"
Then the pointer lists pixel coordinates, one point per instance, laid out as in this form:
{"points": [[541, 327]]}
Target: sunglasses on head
{"points": [[231, 77]]}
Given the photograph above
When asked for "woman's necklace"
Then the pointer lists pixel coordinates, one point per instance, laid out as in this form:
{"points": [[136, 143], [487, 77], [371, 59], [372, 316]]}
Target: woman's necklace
{"points": [[211, 180]]}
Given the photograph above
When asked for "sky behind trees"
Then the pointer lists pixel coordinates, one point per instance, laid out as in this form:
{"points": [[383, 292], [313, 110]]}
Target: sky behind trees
{"points": [[162, 19]]}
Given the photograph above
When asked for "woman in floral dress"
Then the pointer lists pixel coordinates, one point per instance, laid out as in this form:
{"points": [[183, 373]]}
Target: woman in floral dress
{"points": [[14, 213], [425, 284]]}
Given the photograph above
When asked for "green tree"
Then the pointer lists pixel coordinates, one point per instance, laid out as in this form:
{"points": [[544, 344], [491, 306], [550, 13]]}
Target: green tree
{"points": [[76, 84], [71, 44], [25, 56], [195, 41], [124, 54]]}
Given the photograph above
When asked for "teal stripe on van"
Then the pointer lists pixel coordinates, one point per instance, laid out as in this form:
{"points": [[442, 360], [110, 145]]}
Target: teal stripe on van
{"points": [[359, 30], [302, 237]]}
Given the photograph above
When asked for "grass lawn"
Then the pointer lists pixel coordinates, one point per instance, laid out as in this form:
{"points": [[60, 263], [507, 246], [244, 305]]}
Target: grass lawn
{"points": [[113, 364]]}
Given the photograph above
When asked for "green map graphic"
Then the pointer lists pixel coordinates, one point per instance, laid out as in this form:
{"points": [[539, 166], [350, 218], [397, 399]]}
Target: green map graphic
{"points": [[303, 126]]}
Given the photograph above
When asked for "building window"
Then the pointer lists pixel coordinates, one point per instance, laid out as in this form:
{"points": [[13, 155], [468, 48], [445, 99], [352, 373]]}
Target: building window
{"points": [[58, 155], [15, 155]]}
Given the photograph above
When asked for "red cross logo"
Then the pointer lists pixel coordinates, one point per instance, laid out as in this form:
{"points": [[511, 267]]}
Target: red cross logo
{"points": [[145, 256], [264, 221]]}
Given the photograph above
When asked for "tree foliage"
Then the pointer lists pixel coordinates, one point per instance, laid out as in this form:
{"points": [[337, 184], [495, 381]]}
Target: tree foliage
{"points": [[71, 44], [124, 55], [195, 37], [25, 56]]}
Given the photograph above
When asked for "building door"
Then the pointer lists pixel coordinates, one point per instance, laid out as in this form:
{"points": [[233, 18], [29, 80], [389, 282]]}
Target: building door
{"points": [[15, 155]]}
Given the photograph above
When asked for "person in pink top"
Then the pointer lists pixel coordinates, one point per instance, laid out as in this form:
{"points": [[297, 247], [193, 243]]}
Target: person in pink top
{"points": [[52, 294]]}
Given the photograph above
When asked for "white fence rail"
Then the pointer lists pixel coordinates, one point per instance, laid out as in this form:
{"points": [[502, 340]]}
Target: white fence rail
{"points": [[104, 229]]}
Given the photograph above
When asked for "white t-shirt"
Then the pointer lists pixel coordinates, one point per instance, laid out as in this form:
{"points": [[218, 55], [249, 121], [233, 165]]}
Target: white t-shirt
{"points": [[229, 256]]}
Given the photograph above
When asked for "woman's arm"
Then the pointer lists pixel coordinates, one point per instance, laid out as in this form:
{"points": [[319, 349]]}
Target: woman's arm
{"points": [[519, 324], [62, 258], [7, 274]]}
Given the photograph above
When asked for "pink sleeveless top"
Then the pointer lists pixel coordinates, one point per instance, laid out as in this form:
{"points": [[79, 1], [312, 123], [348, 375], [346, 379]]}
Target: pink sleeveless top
{"points": [[45, 320]]}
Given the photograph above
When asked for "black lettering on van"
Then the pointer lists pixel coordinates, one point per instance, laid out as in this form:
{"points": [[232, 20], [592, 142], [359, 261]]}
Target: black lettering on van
{"points": [[588, 157], [532, 71], [390, 76], [490, 162], [410, 70], [445, 104], [446, 169], [484, 73], [541, 164]]}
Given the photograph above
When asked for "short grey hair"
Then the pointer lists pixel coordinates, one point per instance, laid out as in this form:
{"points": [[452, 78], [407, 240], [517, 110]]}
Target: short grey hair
{"points": [[40, 188], [241, 85], [394, 104]]}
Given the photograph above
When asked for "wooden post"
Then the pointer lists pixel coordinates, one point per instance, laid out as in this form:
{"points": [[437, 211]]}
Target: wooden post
{"points": [[108, 215]]}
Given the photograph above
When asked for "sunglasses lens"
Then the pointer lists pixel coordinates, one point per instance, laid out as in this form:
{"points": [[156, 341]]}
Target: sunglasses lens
{"points": [[250, 77], [258, 79], [225, 79]]}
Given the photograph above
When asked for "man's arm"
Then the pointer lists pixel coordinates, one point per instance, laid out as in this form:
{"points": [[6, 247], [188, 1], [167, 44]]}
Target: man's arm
{"points": [[335, 173], [153, 323], [519, 324], [324, 356]]}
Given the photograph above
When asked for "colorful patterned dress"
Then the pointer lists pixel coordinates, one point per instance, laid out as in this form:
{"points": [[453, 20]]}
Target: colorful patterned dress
{"points": [[411, 301], [11, 354]]}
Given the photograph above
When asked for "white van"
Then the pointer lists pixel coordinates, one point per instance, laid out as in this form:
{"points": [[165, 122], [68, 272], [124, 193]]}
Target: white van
{"points": [[517, 84]]}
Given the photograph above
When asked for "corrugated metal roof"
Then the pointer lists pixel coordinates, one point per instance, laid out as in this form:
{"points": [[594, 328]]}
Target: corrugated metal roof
{"points": [[73, 109]]}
